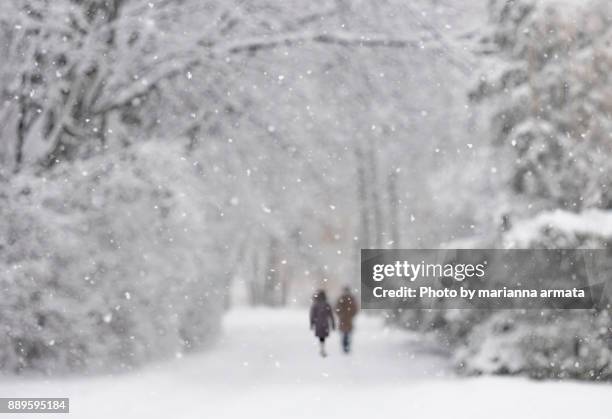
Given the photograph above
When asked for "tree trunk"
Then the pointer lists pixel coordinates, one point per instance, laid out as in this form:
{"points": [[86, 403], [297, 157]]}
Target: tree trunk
{"points": [[362, 200], [394, 223], [379, 232], [271, 286], [21, 133]]}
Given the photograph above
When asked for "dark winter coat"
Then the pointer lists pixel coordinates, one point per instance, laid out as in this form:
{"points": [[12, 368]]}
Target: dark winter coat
{"points": [[321, 318], [346, 309]]}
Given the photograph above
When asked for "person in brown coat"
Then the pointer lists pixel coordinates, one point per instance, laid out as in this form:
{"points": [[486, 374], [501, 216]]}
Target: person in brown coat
{"points": [[321, 318], [346, 309]]}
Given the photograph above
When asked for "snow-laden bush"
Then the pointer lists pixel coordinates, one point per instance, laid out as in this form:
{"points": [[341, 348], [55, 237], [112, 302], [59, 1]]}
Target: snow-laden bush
{"points": [[106, 263], [540, 344], [451, 327], [561, 229], [549, 343]]}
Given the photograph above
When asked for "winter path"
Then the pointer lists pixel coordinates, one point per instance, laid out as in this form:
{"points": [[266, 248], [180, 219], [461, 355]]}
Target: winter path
{"points": [[266, 366]]}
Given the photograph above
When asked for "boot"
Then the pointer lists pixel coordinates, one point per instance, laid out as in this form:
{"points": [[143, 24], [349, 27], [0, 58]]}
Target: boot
{"points": [[322, 350]]}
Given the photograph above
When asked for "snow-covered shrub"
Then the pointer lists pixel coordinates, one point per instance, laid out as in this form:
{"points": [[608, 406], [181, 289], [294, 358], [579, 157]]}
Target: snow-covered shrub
{"points": [[451, 327], [107, 262], [492, 347], [545, 344], [561, 229]]}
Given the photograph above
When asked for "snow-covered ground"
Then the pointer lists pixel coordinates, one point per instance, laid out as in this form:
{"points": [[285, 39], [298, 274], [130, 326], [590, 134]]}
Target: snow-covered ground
{"points": [[267, 366]]}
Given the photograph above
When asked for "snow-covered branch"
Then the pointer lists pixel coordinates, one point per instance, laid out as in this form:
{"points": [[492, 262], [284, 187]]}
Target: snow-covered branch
{"points": [[211, 50], [338, 38]]}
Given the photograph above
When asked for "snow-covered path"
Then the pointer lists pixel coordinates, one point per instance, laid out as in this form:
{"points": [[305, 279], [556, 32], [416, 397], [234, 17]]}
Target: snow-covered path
{"points": [[267, 366]]}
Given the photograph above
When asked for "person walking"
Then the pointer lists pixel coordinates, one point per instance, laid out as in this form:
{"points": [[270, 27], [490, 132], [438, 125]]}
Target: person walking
{"points": [[346, 310], [321, 319]]}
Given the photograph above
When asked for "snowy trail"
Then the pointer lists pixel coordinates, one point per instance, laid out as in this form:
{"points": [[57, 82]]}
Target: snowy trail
{"points": [[267, 366]]}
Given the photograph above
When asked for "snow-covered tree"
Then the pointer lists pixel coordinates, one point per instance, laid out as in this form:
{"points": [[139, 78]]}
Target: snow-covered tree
{"points": [[107, 263], [548, 79]]}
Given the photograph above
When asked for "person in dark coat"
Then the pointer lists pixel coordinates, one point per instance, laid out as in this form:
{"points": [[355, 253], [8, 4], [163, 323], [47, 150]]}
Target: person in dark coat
{"points": [[321, 318], [346, 310]]}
